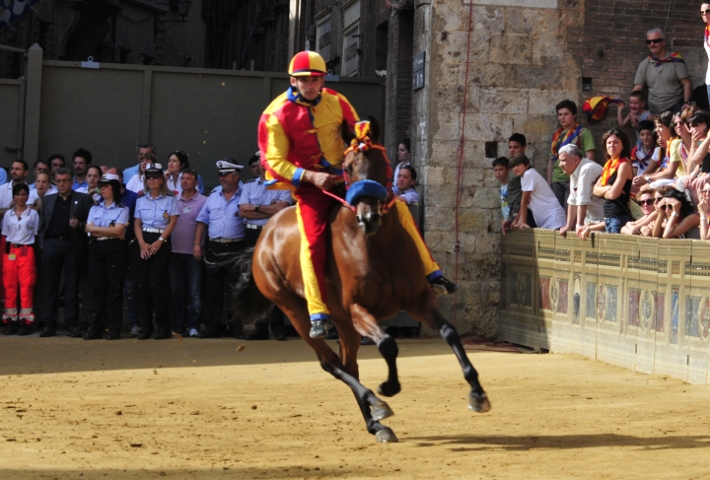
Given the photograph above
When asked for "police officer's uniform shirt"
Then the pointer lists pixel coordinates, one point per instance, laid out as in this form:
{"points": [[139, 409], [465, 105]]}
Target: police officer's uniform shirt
{"points": [[102, 216], [222, 216], [23, 229], [156, 212], [255, 193]]}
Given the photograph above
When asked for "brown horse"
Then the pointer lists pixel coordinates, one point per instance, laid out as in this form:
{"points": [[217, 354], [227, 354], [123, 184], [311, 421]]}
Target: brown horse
{"points": [[370, 276]]}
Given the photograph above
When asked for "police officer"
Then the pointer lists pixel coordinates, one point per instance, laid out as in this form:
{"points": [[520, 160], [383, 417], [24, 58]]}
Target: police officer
{"points": [[155, 218], [257, 205], [225, 235], [108, 257]]}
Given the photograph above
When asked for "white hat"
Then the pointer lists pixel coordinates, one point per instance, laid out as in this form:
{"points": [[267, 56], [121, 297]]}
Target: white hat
{"points": [[108, 177], [228, 166]]}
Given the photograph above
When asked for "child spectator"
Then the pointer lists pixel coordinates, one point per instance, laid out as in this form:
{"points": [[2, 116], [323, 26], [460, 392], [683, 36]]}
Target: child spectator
{"points": [[570, 132], [404, 190], [517, 143], [537, 196], [501, 170], [643, 150], [637, 112], [660, 170]]}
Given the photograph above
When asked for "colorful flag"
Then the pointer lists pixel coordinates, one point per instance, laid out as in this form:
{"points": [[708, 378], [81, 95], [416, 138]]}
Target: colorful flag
{"points": [[595, 107]]}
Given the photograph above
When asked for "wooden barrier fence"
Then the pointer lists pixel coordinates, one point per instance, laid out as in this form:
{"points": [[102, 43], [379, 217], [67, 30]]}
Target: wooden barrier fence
{"points": [[639, 303]]}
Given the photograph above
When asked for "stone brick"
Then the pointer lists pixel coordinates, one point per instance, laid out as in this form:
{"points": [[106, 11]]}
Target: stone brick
{"points": [[503, 100], [510, 48], [542, 102], [490, 75], [489, 127], [441, 196], [486, 198], [440, 241]]}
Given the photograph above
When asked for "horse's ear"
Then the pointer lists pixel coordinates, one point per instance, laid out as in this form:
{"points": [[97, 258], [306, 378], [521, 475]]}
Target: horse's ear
{"points": [[375, 130], [346, 133]]}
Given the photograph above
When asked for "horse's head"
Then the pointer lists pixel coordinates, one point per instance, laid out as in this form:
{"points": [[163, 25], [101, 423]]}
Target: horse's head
{"points": [[367, 173]]}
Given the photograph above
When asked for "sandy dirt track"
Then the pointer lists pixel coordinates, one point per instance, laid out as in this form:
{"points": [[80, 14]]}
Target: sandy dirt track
{"points": [[202, 409]]}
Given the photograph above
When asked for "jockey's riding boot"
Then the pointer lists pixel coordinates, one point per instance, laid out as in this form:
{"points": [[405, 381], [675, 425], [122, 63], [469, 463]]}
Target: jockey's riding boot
{"points": [[318, 328], [443, 286]]}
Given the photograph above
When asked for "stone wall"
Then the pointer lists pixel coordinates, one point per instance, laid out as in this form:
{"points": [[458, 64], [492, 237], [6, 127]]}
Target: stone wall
{"points": [[519, 69], [524, 59]]}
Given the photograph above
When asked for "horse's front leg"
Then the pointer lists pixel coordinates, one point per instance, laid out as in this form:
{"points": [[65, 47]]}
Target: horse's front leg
{"points": [[367, 325], [429, 314]]}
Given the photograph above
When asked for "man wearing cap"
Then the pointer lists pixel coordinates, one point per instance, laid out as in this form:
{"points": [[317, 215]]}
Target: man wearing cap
{"points": [[225, 235], [300, 144], [257, 204], [63, 242]]}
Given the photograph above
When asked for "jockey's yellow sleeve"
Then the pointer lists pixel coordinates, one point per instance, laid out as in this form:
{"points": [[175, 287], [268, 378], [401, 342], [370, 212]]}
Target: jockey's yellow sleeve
{"points": [[296, 135]]}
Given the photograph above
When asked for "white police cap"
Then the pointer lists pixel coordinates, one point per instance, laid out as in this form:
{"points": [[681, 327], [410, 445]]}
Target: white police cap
{"points": [[107, 177], [228, 166], [154, 168]]}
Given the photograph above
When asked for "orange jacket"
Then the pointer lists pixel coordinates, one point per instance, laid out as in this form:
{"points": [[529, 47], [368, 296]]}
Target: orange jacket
{"points": [[296, 135]]}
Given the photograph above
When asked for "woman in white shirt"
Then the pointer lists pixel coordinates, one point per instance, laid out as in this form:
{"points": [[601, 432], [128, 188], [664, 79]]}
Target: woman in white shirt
{"points": [[136, 183], [177, 162], [20, 226]]}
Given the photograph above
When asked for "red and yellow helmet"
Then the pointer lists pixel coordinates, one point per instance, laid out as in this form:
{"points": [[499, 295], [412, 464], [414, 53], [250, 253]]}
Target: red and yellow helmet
{"points": [[307, 64]]}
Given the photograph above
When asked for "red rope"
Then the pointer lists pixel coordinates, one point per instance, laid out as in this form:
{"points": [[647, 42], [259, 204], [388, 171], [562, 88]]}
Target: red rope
{"points": [[459, 159]]}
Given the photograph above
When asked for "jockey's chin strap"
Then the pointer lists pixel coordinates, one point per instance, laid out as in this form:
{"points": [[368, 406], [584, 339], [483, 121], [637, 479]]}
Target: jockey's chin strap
{"points": [[370, 188]]}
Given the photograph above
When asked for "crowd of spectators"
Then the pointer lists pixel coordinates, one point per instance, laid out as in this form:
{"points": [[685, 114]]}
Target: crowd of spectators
{"points": [[146, 236], [656, 184]]}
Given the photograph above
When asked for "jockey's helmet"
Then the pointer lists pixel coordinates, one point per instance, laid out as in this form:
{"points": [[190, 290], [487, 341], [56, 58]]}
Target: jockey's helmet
{"points": [[307, 64]]}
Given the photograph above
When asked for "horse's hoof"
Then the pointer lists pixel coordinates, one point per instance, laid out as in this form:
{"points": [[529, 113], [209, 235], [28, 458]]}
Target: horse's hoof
{"points": [[479, 402], [389, 390], [386, 435], [381, 411]]}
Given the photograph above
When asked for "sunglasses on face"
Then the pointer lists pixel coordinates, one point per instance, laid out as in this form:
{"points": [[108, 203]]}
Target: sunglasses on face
{"points": [[152, 176], [648, 202], [654, 40], [704, 12]]}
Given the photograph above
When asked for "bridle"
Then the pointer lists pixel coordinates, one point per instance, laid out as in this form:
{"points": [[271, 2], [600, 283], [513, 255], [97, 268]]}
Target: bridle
{"points": [[366, 187]]}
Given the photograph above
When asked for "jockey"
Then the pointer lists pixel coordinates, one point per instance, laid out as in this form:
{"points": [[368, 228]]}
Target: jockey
{"points": [[300, 144]]}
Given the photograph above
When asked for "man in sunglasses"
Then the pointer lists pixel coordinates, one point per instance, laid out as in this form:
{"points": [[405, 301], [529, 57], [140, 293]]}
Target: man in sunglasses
{"points": [[666, 76]]}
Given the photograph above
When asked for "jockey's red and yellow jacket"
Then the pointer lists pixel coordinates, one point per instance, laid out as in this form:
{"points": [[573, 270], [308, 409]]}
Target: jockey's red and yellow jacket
{"points": [[296, 135]]}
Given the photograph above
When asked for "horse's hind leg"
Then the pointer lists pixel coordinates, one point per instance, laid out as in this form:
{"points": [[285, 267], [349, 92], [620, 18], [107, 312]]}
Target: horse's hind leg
{"points": [[367, 325], [429, 314]]}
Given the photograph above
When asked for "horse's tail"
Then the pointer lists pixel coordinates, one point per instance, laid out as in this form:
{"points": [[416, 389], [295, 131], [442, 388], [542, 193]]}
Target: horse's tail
{"points": [[249, 303]]}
